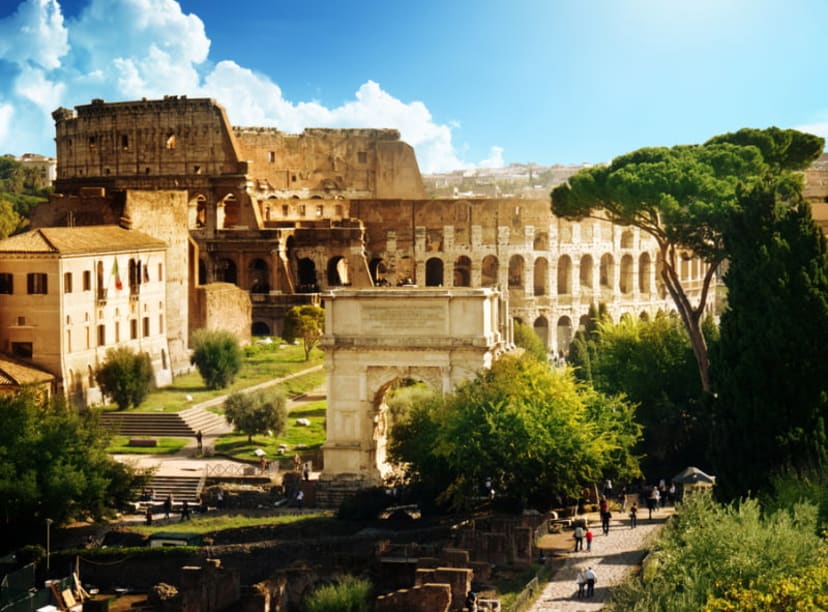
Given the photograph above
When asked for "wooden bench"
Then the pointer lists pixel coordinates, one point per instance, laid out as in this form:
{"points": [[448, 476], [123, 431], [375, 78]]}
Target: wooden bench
{"points": [[146, 442]]}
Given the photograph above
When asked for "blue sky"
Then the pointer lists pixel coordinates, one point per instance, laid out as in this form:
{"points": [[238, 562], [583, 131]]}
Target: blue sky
{"points": [[469, 83]]}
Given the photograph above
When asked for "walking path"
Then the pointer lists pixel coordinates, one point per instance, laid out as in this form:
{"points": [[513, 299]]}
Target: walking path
{"points": [[614, 557]]}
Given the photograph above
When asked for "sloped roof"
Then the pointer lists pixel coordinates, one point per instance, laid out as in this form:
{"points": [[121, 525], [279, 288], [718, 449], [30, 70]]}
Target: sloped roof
{"points": [[16, 373], [79, 240], [693, 475]]}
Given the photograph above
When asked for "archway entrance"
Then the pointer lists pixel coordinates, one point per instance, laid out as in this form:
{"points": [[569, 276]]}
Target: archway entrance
{"points": [[375, 338]]}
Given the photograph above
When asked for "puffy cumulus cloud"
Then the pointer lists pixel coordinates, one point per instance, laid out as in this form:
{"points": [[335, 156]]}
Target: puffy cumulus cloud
{"points": [[34, 35], [127, 49]]}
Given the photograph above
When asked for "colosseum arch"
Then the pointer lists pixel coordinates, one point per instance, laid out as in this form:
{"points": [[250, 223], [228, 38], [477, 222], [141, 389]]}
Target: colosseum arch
{"points": [[625, 282], [489, 271], [378, 269], [564, 334], [606, 271], [586, 274], [434, 272], [516, 266], [541, 276], [197, 211], [462, 272], [227, 271], [564, 275], [339, 272], [258, 276], [541, 327], [229, 212], [645, 269], [373, 339]]}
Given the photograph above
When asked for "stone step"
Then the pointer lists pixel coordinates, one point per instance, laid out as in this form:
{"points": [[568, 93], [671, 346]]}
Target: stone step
{"points": [[180, 487], [166, 424]]}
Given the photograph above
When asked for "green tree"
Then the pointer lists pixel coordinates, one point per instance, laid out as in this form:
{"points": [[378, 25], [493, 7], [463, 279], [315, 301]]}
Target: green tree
{"points": [[683, 197], [584, 346], [54, 465], [125, 376], [527, 339], [771, 373], [306, 322], [256, 413], [652, 364], [218, 357], [9, 219], [537, 434]]}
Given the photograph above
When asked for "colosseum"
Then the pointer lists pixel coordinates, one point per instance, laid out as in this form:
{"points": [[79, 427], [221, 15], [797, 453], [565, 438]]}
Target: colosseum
{"points": [[285, 217]]}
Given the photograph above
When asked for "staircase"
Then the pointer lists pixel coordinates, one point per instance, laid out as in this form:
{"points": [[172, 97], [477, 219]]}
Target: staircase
{"points": [[182, 424], [180, 487]]}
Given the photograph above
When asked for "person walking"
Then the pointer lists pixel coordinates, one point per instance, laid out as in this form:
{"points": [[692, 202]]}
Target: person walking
{"points": [[185, 511], [589, 539], [606, 515], [581, 582], [591, 577], [168, 504], [579, 538], [199, 437], [633, 515]]}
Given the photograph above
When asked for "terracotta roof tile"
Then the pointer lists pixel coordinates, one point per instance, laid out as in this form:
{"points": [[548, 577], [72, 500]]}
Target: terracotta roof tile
{"points": [[77, 240]]}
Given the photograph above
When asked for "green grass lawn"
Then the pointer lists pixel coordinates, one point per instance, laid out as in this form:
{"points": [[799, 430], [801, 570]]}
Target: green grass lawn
{"points": [[312, 437], [212, 523], [166, 446], [261, 363]]}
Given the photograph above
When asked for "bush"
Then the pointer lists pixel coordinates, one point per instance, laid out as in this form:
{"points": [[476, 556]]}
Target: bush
{"points": [[257, 413], [348, 595], [125, 376], [218, 357]]}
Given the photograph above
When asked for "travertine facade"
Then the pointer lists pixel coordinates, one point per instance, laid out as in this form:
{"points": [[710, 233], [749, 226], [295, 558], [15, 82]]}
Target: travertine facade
{"points": [[375, 338], [282, 216]]}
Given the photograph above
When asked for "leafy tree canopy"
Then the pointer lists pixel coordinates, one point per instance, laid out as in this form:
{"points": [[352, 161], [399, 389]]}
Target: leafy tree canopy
{"points": [[683, 197], [257, 413], [218, 357], [306, 322], [125, 376], [537, 434], [527, 339], [53, 465]]}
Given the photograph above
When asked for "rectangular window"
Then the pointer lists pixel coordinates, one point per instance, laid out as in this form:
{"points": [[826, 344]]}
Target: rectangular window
{"points": [[21, 321], [146, 327], [22, 349], [160, 272], [160, 324], [101, 335], [271, 156], [87, 280], [117, 332], [7, 283], [319, 211], [124, 141], [133, 329], [36, 283], [362, 157], [301, 210], [67, 282], [68, 340]]}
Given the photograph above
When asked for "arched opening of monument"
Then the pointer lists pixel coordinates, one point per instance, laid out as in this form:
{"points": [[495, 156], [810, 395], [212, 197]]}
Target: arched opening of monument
{"points": [[231, 212], [606, 271], [516, 272], [586, 275], [625, 283], [260, 328], [462, 272], [564, 334], [564, 275], [542, 330], [488, 271], [197, 212], [541, 275], [395, 401], [339, 273], [306, 271], [259, 276], [644, 271], [434, 272], [226, 271], [378, 269]]}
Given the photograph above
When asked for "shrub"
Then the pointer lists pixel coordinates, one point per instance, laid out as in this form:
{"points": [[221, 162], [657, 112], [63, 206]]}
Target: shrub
{"points": [[348, 595], [125, 376], [218, 357], [257, 413]]}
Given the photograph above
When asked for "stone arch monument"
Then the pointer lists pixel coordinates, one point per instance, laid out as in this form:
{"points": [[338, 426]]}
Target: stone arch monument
{"points": [[375, 337]]}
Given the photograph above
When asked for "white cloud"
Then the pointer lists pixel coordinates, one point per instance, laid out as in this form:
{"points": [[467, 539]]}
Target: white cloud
{"points": [[128, 49], [34, 35]]}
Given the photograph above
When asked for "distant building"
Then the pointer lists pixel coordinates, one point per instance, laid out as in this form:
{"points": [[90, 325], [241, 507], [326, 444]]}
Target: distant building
{"points": [[69, 294], [45, 168]]}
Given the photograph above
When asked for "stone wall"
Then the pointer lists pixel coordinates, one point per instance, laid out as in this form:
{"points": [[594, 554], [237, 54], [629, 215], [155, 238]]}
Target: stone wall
{"points": [[222, 306]]}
